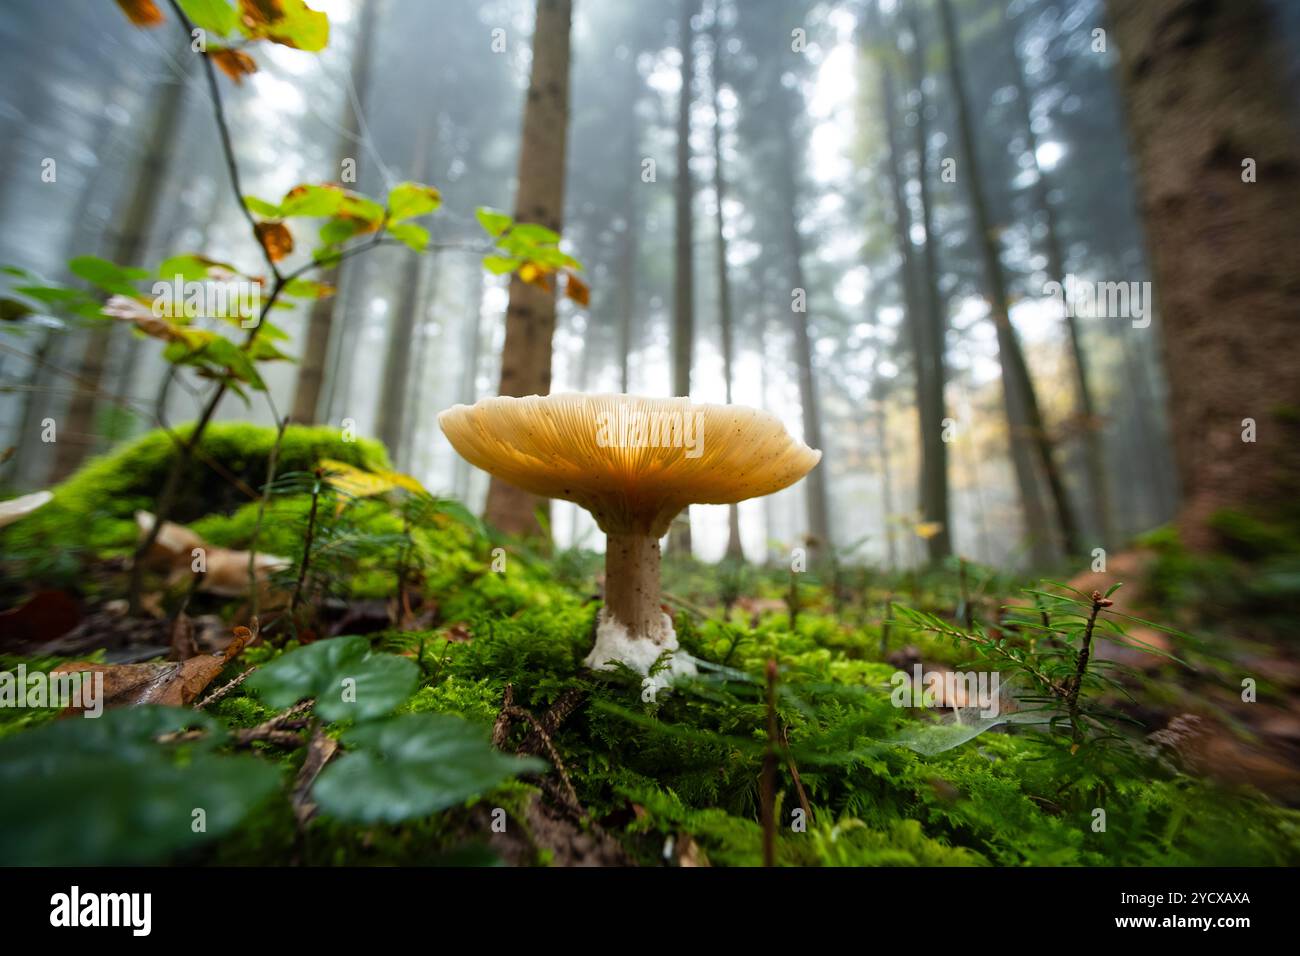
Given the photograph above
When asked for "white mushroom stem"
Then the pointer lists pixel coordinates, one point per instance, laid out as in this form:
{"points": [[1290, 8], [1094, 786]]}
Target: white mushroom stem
{"points": [[632, 586]]}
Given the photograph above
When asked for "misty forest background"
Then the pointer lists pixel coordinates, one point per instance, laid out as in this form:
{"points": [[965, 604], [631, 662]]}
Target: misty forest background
{"points": [[721, 156]]}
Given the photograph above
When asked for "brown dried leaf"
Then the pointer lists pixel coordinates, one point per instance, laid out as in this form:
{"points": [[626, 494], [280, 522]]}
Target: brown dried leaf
{"points": [[577, 290], [143, 13], [276, 239], [170, 683], [234, 63]]}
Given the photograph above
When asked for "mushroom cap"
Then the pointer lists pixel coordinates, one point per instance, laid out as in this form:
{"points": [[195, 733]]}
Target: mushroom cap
{"points": [[633, 462]]}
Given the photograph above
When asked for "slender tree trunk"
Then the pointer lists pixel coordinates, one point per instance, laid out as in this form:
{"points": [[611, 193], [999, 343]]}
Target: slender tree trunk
{"points": [[530, 316], [468, 391], [402, 332], [320, 323], [76, 434], [413, 400], [815, 483], [1089, 423], [725, 320], [1015, 372], [932, 329], [627, 269], [1216, 146], [683, 338]]}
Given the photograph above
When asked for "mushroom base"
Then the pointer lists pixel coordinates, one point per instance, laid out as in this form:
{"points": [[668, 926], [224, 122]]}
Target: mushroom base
{"points": [[615, 643]]}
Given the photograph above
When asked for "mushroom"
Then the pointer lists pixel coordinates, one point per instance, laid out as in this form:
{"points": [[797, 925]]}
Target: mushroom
{"points": [[634, 464], [21, 507]]}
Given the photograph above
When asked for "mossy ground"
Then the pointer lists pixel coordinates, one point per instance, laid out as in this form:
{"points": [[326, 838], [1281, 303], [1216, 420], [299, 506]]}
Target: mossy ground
{"points": [[689, 764]]}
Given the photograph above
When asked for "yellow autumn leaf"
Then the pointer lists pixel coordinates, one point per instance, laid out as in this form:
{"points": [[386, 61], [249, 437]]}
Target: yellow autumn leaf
{"points": [[365, 484]]}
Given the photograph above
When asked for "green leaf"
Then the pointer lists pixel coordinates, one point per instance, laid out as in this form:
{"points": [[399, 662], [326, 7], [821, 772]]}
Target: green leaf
{"points": [[308, 289], [51, 294], [123, 795], [413, 765], [338, 231], [312, 201], [215, 16], [292, 23], [11, 310], [416, 237], [534, 233], [346, 678], [107, 275], [189, 268], [263, 208], [408, 200], [500, 265], [493, 221]]}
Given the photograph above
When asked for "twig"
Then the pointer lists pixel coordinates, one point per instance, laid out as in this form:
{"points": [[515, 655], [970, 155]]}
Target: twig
{"points": [[306, 546], [261, 510], [221, 692], [1081, 665]]}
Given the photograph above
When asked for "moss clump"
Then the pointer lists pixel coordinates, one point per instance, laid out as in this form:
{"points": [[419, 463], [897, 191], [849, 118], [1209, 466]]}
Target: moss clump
{"points": [[93, 511]]}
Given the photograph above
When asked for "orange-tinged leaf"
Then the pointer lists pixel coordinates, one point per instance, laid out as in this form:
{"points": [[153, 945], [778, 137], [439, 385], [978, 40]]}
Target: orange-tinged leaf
{"points": [[234, 63], [577, 290], [276, 239], [143, 13]]}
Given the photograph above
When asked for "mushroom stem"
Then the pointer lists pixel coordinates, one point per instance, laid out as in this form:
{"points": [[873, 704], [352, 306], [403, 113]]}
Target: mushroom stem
{"points": [[632, 586]]}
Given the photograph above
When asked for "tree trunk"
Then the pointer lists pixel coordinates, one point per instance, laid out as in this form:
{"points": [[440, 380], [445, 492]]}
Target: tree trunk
{"points": [[76, 435], [725, 321], [1205, 93], [815, 483], [530, 315], [1089, 423], [931, 337], [468, 391], [627, 270], [402, 332], [679, 538], [1021, 397], [320, 323]]}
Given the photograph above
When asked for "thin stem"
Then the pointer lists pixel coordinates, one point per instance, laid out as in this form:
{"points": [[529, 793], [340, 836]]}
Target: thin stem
{"points": [[305, 563]]}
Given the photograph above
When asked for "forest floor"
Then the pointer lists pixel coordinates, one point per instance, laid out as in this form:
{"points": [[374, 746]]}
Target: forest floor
{"points": [[475, 735]]}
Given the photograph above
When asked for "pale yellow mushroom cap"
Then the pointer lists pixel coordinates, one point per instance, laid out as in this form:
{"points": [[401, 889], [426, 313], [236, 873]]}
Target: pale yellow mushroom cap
{"points": [[633, 462]]}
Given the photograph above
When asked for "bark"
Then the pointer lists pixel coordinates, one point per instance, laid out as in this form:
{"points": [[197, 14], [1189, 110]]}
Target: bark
{"points": [[468, 391], [77, 433], [1021, 399], [815, 482], [627, 269], [1089, 423], [402, 332], [683, 339], [530, 315], [931, 336], [1205, 90], [725, 320], [320, 323]]}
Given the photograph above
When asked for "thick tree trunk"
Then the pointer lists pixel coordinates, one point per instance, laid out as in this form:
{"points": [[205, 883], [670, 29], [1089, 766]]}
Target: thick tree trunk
{"points": [[683, 338], [76, 437], [1015, 372], [320, 323], [1206, 102], [530, 316], [725, 320], [931, 327]]}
